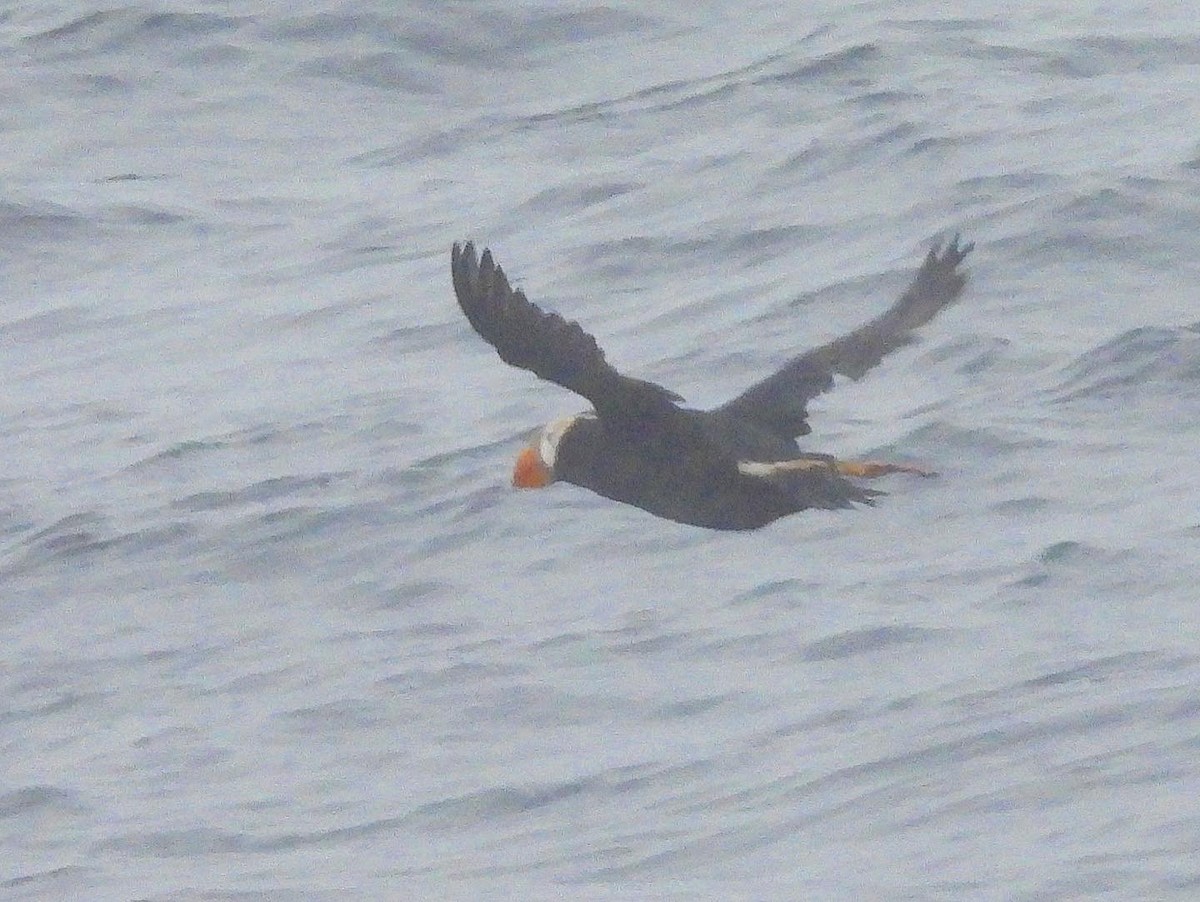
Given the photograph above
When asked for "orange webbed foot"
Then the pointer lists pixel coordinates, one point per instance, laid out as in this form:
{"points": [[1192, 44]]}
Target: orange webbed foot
{"points": [[871, 469]]}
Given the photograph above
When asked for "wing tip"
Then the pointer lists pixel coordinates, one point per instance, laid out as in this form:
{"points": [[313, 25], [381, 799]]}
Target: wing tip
{"points": [[476, 277], [939, 277], [461, 250], [464, 257], [464, 273], [949, 255]]}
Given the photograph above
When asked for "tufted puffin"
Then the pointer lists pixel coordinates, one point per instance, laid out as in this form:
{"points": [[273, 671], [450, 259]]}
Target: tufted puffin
{"points": [[737, 466]]}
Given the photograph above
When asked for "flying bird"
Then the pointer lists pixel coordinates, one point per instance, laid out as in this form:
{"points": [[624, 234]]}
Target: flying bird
{"points": [[737, 466]]}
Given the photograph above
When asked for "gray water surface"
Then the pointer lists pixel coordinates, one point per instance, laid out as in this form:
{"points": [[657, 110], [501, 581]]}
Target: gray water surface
{"points": [[274, 625]]}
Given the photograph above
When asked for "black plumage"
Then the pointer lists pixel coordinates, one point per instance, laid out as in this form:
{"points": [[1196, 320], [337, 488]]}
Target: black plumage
{"points": [[736, 466]]}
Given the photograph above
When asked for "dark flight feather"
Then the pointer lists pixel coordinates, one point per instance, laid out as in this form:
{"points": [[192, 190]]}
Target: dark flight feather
{"points": [[547, 345], [780, 402]]}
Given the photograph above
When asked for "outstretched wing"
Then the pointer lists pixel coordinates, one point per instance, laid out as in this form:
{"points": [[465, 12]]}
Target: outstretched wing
{"points": [[544, 343], [780, 402]]}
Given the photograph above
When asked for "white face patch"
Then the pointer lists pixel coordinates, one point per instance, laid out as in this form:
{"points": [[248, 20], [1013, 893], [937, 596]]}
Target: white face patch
{"points": [[551, 435]]}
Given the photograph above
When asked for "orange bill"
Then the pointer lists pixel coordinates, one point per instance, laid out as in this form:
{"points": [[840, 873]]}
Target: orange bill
{"points": [[530, 472]]}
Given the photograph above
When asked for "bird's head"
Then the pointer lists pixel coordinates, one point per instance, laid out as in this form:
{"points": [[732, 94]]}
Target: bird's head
{"points": [[534, 468]]}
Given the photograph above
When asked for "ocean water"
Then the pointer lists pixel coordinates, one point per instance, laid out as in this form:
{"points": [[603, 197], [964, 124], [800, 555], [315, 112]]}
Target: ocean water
{"points": [[274, 626]]}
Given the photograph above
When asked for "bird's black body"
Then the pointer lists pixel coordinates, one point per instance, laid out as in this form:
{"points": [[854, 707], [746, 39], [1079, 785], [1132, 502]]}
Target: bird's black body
{"points": [[676, 476], [736, 466]]}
